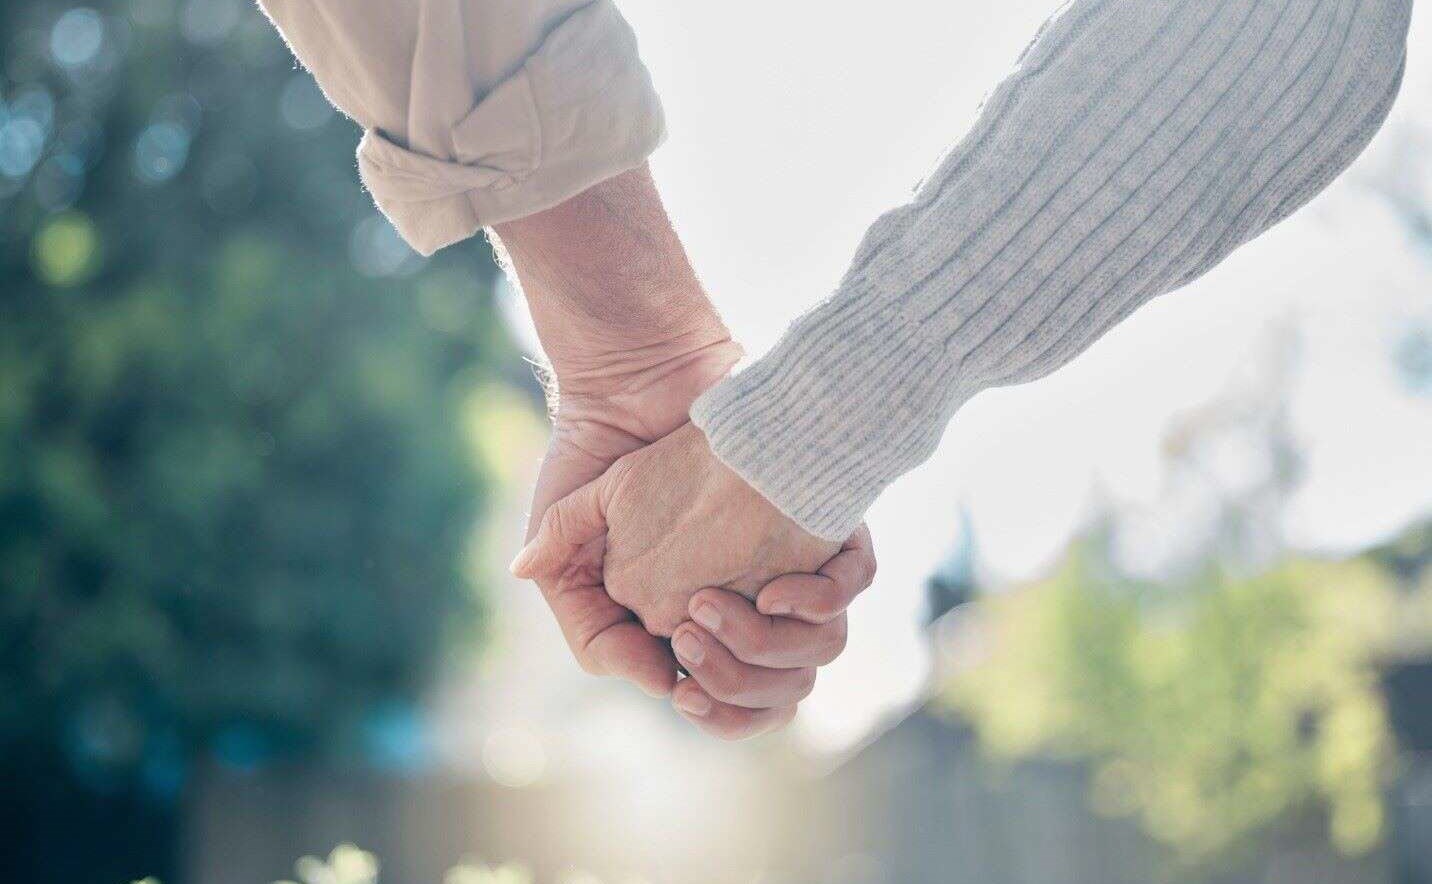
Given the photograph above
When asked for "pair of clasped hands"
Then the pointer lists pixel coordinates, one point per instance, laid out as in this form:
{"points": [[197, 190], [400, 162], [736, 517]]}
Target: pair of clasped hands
{"points": [[666, 541], [655, 557]]}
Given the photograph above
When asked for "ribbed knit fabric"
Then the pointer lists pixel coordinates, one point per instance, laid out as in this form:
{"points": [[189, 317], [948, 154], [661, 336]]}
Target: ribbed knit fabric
{"points": [[1137, 143]]}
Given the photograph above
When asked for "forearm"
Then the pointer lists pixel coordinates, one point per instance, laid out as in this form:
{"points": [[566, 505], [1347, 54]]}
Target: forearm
{"points": [[611, 290], [1137, 144], [476, 112], [632, 341]]}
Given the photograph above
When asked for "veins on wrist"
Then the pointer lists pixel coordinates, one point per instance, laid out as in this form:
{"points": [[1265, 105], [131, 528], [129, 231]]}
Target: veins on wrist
{"points": [[643, 400]]}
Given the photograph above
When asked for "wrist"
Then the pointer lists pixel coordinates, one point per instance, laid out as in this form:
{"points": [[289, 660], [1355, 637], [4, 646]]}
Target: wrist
{"points": [[616, 303], [621, 360], [644, 402]]}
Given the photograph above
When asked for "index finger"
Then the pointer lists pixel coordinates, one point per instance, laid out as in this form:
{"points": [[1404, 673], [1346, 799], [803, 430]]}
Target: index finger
{"points": [[824, 595]]}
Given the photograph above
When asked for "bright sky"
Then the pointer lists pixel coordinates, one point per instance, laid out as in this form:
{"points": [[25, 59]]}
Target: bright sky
{"points": [[794, 124]]}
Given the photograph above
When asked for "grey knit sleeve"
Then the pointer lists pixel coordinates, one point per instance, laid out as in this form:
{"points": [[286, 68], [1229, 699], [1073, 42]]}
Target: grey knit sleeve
{"points": [[1136, 144]]}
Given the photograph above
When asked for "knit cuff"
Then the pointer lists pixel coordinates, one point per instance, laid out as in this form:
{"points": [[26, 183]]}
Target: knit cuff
{"points": [[580, 110], [853, 396]]}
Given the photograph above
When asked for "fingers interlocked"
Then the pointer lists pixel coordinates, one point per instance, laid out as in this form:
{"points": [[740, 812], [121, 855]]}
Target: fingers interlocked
{"points": [[749, 669], [622, 559]]}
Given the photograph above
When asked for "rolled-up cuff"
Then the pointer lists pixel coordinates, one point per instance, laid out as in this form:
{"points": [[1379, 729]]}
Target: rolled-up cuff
{"points": [[581, 109]]}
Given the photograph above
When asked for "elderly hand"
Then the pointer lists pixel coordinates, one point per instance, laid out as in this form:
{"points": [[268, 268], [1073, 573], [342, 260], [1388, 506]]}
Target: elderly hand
{"points": [[632, 340], [688, 537], [596, 422], [742, 655]]}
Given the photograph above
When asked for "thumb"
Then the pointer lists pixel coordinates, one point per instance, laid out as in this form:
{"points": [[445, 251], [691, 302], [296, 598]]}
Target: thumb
{"points": [[567, 526]]}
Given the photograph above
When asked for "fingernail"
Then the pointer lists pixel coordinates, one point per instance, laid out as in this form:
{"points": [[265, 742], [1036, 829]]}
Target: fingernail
{"points": [[689, 648], [693, 703], [708, 616], [782, 608]]}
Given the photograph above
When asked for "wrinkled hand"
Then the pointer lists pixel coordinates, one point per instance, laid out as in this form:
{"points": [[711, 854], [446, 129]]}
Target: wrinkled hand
{"points": [[682, 522], [632, 340], [753, 663], [597, 422]]}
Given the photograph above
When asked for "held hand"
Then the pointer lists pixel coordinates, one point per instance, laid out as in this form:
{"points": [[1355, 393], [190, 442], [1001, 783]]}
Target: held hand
{"points": [[595, 424], [750, 664], [680, 520], [632, 340]]}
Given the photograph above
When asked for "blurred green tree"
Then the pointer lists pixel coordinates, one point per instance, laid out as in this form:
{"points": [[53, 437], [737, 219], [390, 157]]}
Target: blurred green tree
{"points": [[1210, 712], [1217, 684], [235, 488]]}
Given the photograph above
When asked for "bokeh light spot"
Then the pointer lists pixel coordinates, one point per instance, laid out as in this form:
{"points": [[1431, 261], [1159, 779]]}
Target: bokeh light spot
{"points": [[377, 250], [302, 105], [66, 250], [34, 103], [21, 141], [160, 152], [77, 37], [476, 873]]}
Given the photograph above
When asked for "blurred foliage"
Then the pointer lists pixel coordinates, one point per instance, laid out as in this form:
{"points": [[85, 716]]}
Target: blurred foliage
{"points": [[237, 478], [1209, 710]]}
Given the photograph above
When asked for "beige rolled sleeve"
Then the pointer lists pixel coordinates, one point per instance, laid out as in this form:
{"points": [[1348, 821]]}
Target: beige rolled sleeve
{"points": [[477, 112]]}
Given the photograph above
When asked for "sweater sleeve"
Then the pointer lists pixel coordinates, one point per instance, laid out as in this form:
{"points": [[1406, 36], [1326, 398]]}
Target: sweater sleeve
{"points": [[1136, 144], [477, 112]]}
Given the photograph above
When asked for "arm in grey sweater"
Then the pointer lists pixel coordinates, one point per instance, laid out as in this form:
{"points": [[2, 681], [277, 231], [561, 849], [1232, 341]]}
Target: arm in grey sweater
{"points": [[1137, 143]]}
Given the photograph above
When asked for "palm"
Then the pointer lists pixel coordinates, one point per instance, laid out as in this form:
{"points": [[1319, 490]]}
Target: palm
{"points": [[589, 433]]}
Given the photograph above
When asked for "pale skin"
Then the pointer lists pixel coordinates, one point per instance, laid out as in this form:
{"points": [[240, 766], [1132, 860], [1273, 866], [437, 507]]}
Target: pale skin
{"points": [[670, 532], [651, 508], [632, 340]]}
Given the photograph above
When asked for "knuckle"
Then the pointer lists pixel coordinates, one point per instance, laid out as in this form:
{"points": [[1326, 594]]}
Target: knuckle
{"points": [[656, 619], [727, 684], [806, 684], [584, 648], [553, 522], [625, 585], [863, 572], [826, 603], [589, 663], [710, 675], [750, 645]]}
